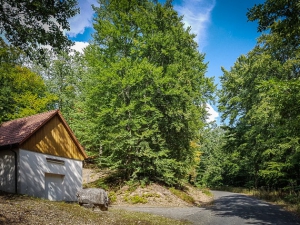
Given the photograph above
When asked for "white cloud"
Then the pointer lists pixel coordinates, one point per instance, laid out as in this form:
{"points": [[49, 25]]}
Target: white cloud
{"points": [[79, 46], [83, 20], [212, 114], [197, 15]]}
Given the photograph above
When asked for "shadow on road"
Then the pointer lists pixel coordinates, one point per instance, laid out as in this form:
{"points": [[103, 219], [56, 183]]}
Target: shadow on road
{"points": [[251, 211]]}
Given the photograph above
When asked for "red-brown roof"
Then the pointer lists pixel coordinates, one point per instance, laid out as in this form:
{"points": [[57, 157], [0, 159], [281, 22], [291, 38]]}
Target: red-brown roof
{"points": [[17, 131]]}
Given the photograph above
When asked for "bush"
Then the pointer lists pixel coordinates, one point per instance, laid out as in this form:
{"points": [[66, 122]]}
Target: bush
{"points": [[112, 196]]}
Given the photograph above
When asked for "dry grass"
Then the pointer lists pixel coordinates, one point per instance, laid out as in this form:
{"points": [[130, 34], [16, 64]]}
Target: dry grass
{"points": [[124, 193], [183, 195], [21, 210]]}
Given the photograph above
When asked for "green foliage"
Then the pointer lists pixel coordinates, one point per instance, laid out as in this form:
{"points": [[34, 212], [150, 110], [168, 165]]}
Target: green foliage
{"points": [[145, 90], [281, 18], [151, 195], [132, 185], [63, 75], [135, 199], [259, 98], [23, 92], [212, 159], [32, 25], [112, 196]]}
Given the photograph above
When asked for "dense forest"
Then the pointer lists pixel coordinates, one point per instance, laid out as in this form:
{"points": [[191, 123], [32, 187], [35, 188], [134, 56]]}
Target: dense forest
{"points": [[136, 97]]}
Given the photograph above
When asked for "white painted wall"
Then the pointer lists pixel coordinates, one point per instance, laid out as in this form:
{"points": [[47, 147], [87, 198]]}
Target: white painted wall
{"points": [[7, 171], [34, 167]]}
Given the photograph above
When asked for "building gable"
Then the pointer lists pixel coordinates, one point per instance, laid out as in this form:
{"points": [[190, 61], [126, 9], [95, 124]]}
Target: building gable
{"points": [[54, 138]]}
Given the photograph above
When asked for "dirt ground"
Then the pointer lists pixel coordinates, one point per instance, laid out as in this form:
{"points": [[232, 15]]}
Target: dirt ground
{"points": [[156, 195], [24, 210]]}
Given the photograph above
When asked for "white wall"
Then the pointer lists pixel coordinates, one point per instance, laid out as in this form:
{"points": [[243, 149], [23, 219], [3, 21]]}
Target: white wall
{"points": [[7, 171], [34, 167]]}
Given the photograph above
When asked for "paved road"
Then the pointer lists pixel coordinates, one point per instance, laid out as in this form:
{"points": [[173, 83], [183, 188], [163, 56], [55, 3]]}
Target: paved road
{"points": [[228, 209]]}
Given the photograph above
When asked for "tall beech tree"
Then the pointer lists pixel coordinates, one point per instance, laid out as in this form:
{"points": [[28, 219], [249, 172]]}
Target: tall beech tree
{"points": [[146, 90], [260, 98]]}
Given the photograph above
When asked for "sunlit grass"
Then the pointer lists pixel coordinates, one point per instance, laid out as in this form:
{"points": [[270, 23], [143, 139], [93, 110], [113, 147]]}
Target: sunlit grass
{"points": [[62, 212], [182, 195], [206, 191]]}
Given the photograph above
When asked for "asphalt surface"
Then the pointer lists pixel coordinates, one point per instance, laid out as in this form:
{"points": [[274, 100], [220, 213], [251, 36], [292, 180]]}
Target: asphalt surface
{"points": [[228, 209]]}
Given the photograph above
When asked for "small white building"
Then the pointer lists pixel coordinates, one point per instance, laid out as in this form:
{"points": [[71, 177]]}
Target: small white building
{"points": [[41, 157]]}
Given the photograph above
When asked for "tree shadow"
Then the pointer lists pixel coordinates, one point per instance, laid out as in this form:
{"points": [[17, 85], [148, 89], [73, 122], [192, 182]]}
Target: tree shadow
{"points": [[251, 210]]}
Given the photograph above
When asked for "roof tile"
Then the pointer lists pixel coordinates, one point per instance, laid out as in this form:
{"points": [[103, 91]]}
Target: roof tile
{"points": [[16, 131]]}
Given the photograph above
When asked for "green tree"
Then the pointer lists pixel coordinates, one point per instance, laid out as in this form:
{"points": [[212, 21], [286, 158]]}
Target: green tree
{"points": [[212, 157], [260, 98], [23, 92], [35, 24], [63, 75], [146, 91]]}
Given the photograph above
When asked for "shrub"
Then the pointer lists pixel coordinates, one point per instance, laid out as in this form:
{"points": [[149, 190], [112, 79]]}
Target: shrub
{"points": [[112, 196]]}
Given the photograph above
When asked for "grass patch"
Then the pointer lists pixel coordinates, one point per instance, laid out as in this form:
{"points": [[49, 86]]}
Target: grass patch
{"points": [[135, 199], [112, 196], [234, 189], [182, 195], [146, 219], [206, 192], [151, 195], [23, 210]]}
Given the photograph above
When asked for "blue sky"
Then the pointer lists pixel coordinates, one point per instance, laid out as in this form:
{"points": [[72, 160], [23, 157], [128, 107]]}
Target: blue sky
{"points": [[223, 32]]}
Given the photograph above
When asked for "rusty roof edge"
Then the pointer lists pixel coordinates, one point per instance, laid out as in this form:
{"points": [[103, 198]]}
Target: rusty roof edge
{"points": [[71, 133], [38, 127]]}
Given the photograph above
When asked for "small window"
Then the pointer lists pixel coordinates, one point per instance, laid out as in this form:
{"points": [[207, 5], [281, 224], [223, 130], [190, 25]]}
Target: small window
{"points": [[57, 161]]}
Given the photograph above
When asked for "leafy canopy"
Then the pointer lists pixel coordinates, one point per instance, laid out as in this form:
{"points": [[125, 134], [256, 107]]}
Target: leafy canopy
{"points": [[34, 24], [260, 98], [146, 90], [23, 92]]}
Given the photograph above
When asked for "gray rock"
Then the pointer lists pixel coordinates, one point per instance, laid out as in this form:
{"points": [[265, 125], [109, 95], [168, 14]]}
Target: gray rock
{"points": [[93, 197]]}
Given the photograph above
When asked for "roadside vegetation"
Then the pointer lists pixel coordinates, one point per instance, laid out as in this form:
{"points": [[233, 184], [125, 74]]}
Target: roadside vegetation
{"points": [[257, 146], [134, 192]]}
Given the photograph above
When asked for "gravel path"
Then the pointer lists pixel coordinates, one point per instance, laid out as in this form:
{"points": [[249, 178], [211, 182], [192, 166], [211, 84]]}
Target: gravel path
{"points": [[228, 209]]}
